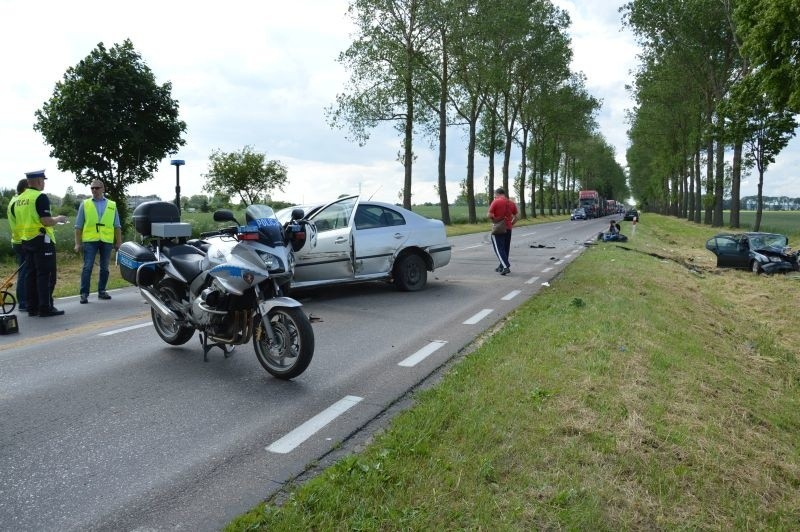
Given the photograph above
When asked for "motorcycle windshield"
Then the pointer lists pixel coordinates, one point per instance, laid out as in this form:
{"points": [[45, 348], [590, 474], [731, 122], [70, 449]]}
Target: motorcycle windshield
{"points": [[269, 228]]}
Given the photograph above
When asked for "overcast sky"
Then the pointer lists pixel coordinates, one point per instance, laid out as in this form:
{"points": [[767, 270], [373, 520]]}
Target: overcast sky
{"points": [[262, 74]]}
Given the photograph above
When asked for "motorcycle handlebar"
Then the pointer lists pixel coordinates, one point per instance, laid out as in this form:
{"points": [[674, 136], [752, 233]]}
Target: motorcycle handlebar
{"points": [[226, 231]]}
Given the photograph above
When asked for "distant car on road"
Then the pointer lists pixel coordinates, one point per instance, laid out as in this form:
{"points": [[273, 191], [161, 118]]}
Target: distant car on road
{"points": [[578, 214], [630, 214], [368, 240], [758, 252]]}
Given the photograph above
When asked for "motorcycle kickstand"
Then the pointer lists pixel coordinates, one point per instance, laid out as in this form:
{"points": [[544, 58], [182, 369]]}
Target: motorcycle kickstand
{"points": [[226, 350]]}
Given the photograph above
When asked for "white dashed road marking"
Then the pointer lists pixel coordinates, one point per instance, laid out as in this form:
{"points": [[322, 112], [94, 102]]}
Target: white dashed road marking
{"points": [[511, 295], [422, 354], [479, 316], [289, 442]]}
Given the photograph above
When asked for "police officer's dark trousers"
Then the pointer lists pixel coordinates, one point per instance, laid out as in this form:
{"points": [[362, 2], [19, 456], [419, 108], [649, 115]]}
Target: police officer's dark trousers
{"points": [[41, 259]]}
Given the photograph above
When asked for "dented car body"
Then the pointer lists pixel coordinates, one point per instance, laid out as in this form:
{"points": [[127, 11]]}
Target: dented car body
{"points": [[758, 252], [366, 241]]}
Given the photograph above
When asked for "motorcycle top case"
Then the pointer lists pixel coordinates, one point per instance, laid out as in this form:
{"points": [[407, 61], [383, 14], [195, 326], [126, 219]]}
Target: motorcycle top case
{"points": [[132, 255], [151, 212]]}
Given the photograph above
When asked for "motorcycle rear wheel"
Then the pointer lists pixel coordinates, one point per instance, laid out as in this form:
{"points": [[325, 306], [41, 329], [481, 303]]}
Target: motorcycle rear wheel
{"points": [[173, 334], [294, 342]]}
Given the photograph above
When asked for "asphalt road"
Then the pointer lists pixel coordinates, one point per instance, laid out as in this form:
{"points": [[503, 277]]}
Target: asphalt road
{"points": [[105, 427]]}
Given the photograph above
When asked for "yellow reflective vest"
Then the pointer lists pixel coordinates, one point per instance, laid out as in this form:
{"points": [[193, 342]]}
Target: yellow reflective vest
{"points": [[94, 229], [12, 221], [27, 223]]}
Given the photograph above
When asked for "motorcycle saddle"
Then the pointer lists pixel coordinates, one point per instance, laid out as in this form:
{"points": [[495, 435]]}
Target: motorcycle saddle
{"points": [[188, 260]]}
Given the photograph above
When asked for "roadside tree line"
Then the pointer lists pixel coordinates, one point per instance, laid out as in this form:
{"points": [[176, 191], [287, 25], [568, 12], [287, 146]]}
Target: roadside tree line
{"points": [[498, 71], [716, 76]]}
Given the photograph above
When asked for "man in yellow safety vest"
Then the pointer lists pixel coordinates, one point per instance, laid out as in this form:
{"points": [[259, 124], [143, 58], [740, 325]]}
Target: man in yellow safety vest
{"points": [[16, 247], [34, 225], [97, 231]]}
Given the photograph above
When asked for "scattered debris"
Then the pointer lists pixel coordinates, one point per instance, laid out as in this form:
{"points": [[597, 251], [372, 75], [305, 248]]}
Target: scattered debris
{"points": [[313, 318]]}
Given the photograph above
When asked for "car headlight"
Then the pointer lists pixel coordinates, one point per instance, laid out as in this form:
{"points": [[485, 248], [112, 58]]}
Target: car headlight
{"points": [[775, 259]]}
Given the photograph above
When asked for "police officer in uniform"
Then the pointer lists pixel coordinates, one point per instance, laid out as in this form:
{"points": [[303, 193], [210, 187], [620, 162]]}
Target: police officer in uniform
{"points": [[16, 246], [35, 228]]}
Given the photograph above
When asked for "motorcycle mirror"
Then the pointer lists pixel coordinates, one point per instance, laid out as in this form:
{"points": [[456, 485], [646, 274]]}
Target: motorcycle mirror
{"points": [[297, 214], [224, 215]]}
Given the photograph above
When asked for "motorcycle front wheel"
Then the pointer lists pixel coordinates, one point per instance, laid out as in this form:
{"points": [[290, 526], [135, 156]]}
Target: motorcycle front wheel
{"points": [[293, 349]]}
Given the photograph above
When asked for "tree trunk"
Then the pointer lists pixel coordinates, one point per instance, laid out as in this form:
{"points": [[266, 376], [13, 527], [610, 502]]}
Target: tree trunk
{"points": [[523, 174], [719, 184], [698, 184], [443, 203], [709, 182], [736, 185]]}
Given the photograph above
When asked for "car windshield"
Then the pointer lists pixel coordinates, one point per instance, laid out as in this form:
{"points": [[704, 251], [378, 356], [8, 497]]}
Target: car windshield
{"points": [[768, 241]]}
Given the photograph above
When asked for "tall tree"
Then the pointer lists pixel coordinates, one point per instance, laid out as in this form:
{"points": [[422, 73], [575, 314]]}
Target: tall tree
{"points": [[108, 119], [386, 63], [765, 131], [247, 174]]}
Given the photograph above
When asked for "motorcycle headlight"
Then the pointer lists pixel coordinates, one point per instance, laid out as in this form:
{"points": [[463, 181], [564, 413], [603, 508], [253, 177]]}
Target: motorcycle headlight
{"points": [[270, 261]]}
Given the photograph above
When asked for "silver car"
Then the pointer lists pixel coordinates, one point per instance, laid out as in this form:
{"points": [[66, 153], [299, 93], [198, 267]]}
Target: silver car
{"points": [[368, 240]]}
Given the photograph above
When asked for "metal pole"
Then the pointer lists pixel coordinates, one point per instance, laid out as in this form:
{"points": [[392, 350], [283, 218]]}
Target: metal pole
{"points": [[178, 187], [177, 163]]}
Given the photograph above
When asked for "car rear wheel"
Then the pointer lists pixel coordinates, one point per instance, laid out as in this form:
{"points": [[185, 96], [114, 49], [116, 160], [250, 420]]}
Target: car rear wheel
{"points": [[410, 273]]}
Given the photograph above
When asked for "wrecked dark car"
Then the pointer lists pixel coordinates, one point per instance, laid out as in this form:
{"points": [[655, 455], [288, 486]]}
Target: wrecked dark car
{"points": [[758, 252]]}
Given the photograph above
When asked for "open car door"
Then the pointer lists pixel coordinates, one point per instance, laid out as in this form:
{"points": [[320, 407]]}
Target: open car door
{"points": [[331, 259]]}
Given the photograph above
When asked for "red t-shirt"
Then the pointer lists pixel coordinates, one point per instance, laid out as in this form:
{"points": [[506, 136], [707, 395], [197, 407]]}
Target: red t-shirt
{"points": [[503, 207]]}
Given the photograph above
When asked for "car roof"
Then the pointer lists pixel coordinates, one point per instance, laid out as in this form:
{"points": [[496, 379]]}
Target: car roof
{"points": [[748, 234], [311, 208]]}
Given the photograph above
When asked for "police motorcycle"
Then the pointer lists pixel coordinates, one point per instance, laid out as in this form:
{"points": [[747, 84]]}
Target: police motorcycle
{"points": [[230, 285]]}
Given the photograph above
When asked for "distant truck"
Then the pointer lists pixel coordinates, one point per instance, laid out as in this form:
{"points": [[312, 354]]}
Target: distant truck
{"points": [[589, 201]]}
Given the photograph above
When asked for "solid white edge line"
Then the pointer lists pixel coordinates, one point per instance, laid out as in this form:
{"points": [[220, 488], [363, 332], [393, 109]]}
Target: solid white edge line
{"points": [[422, 354], [511, 295], [532, 280], [478, 317], [124, 329], [291, 440]]}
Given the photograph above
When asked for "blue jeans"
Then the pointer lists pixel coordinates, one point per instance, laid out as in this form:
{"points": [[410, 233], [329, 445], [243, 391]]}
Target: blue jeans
{"points": [[22, 276], [90, 251]]}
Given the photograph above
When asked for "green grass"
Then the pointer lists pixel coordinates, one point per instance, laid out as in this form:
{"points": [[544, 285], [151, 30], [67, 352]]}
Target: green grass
{"points": [[643, 390]]}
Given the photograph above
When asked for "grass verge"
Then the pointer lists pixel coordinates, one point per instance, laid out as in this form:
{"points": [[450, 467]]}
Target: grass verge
{"points": [[645, 389]]}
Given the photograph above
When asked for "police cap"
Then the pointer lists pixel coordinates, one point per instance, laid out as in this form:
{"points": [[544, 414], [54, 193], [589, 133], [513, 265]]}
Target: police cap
{"points": [[35, 174]]}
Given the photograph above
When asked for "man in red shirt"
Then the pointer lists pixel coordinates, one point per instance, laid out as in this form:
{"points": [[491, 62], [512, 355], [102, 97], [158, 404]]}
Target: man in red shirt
{"points": [[503, 208]]}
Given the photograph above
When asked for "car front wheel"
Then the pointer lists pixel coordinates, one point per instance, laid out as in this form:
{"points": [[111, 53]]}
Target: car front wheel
{"points": [[756, 267]]}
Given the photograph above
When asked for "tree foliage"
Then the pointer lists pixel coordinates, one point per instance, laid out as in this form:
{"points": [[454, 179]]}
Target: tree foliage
{"points": [[247, 174], [108, 119], [770, 34]]}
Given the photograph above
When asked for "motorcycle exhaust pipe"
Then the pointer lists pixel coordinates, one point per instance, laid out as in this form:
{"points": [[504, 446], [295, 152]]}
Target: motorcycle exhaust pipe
{"points": [[156, 303]]}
